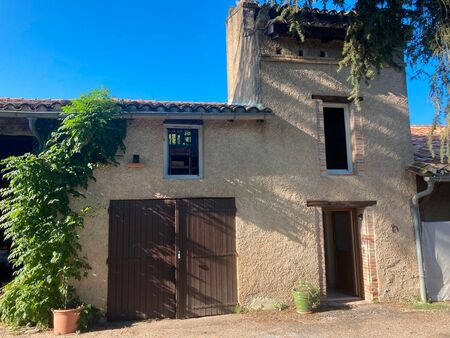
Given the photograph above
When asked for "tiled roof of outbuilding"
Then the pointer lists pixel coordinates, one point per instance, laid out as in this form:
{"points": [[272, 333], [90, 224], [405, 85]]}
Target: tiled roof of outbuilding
{"points": [[318, 23], [326, 18], [320, 17], [132, 106], [424, 163]]}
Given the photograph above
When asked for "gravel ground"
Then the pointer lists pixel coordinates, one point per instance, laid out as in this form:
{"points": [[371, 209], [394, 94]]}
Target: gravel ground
{"points": [[372, 320]]}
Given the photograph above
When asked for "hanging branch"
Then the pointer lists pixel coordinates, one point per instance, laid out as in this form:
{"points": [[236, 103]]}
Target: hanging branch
{"points": [[384, 33]]}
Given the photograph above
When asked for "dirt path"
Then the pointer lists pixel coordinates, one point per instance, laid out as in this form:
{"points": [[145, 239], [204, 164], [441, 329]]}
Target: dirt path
{"points": [[362, 321]]}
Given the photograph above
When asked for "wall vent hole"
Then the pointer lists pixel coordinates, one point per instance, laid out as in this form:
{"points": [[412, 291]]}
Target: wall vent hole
{"points": [[279, 51], [300, 52], [323, 54]]}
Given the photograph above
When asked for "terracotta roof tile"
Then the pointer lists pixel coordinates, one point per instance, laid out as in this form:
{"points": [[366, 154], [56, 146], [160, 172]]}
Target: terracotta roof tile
{"points": [[315, 17], [54, 105], [424, 163]]}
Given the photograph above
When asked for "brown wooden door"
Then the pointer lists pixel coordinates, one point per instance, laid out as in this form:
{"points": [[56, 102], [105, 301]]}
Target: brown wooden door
{"points": [[344, 252], [208, 279], [141, 262], [171, 258]]}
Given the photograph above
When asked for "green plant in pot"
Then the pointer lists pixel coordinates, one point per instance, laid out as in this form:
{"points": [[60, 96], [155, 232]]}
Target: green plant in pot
{"points": [[306, 297]]}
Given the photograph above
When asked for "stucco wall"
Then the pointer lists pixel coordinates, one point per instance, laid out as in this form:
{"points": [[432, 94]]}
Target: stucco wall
{"points": [[272, 169], [287, 88]]}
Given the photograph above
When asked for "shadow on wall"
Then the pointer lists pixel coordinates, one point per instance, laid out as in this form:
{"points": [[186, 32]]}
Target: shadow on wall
{"points": [[288, 173], [275, 174]]}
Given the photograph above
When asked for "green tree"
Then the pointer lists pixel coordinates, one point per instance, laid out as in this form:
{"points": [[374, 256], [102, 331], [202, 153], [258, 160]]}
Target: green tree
{"points": [[36, 212], [389, 32]]}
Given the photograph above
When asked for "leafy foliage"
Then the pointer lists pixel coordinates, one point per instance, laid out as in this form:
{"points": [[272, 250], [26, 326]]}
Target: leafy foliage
{"points": [[36, 211], [385, 32], [89, 315]]}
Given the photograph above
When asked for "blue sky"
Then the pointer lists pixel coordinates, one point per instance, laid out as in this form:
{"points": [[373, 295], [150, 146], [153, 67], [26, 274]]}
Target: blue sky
{"points": [[162, 50]]}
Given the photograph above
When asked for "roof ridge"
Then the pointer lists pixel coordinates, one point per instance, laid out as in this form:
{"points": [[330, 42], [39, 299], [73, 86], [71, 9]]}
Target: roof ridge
{"points": [[37, 100]]}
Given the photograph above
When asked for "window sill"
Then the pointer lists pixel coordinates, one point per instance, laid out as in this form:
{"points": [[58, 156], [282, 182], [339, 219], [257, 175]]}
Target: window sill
{"points": [[339, 173], [182, 177]]}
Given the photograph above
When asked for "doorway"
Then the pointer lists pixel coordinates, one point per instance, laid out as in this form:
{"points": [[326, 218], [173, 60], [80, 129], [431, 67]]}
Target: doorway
{"points": [[342, 255]]}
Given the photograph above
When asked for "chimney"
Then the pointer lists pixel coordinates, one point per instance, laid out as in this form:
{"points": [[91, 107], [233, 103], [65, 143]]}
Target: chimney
{"points": [[242, 54]]}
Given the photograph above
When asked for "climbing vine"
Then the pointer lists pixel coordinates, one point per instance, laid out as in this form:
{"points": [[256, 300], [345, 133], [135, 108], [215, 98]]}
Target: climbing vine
{"points": [[36, 210], [387, 32]]}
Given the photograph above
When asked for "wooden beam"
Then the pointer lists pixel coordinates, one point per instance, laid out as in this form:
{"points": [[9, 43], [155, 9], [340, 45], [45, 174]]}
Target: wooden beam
{"points": [[333, 99], [340, 204]]}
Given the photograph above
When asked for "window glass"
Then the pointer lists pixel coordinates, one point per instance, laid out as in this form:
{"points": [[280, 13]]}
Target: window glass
{"points": [[183, 152], [335, 138]]}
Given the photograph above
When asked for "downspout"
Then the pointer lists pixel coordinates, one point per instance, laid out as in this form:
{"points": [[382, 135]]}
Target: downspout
{"points": [[418, 234], [32, 125]]}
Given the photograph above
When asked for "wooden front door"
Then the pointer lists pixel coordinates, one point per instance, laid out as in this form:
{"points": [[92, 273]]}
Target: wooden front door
{"points": [[346, 271], [171, 258]]}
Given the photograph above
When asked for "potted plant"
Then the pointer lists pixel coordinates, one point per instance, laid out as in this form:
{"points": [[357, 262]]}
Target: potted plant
{"points": [[306, 297], [65, 320]]}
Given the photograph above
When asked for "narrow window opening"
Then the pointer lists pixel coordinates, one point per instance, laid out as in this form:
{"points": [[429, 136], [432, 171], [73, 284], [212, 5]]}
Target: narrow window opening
{"points": [[183, 152], [279, 51], [336, 139], [300, 52], [323, 54]]}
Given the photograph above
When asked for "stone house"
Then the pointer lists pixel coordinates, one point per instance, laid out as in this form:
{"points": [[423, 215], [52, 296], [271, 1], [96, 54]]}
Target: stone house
{"points": [[219, 204]]}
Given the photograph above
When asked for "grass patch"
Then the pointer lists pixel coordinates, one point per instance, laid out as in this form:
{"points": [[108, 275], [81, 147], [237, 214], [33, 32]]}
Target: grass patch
{"points": [[239, 309], [430, 306]]}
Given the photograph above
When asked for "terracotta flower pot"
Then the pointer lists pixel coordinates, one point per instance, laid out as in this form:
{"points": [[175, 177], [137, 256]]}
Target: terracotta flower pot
{"points": [[65, 321]]}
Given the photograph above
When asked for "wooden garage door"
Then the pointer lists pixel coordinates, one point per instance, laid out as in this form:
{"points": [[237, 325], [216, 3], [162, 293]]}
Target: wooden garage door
{"points": [[141, 277], [208, 251], [172, 258]]}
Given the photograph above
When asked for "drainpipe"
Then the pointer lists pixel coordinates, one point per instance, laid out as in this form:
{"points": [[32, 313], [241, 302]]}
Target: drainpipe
{"points": [[32, 126], [418, 234]]}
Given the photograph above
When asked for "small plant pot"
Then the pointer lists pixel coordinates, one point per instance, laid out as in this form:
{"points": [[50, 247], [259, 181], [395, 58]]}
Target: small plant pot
{"points": [[65, 321], [302, 302]]}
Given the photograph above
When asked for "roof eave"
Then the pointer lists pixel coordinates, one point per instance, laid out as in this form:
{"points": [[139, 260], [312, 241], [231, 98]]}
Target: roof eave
{"points": [[430, 170], [263, 115]]}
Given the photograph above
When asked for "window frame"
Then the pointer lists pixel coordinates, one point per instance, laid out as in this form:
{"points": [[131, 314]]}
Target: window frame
{"points": [[348, 138], [166, 157]]}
